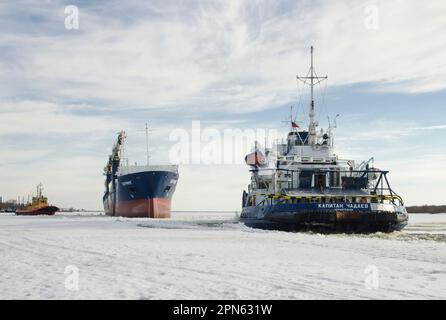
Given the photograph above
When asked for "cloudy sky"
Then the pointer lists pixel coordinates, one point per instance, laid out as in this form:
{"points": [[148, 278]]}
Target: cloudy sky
{"points": [[65, 92]]}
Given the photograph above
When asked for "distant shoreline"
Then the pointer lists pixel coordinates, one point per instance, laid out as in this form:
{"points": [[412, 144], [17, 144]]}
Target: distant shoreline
{"points": [[426, 209]]}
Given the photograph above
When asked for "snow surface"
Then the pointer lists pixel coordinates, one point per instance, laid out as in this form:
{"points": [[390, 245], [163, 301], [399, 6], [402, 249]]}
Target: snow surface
{"points": [[212, 256]]}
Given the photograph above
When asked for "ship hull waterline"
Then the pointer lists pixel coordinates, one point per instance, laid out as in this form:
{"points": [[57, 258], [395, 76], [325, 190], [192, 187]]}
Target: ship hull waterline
{"points": [[330, 221], [48, 210], [156, 208]]}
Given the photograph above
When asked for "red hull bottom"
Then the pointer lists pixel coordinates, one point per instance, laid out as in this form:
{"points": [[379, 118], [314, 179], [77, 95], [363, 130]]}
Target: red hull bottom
{"points": [[157, 208], [49, 210]]}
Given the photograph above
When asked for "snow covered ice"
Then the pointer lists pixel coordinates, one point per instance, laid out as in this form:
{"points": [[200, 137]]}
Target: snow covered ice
{"points": [[211, 256]]}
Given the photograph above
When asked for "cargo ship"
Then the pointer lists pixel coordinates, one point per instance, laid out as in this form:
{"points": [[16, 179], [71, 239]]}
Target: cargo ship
{"points": [[38, 206], [301, 184], [143, 191]]}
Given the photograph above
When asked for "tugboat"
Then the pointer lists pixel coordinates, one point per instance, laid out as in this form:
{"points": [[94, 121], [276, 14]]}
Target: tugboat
{"points": [[303, 185], [38, 206], [137, 191]]}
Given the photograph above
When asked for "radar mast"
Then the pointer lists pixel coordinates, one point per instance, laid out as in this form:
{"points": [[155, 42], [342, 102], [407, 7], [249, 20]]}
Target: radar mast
{"points": [[312, 79]]}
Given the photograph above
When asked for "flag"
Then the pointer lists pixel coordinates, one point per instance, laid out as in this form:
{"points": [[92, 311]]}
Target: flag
{"points": [[294, 124]]}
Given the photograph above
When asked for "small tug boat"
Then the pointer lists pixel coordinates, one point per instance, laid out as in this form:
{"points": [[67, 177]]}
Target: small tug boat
{"points": [[38, 206], [302, 184]]}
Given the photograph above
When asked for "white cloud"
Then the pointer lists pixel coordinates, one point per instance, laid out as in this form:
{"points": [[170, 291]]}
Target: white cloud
{"points": [[42, 118], [439, 127], [227, 54], [383, 131]]}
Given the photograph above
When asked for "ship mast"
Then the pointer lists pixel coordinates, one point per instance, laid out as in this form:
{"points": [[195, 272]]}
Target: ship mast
{"points": [[313, 80], [147, 143], [39, 190], [146, 130]]}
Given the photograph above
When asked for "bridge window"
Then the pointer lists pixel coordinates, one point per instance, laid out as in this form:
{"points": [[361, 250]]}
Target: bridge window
{"points": [[334, 179], [305, 179]]}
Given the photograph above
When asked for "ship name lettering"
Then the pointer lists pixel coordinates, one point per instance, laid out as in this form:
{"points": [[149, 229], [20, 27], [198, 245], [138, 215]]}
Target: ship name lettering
{"points": [[330, 205], [343, 205]]}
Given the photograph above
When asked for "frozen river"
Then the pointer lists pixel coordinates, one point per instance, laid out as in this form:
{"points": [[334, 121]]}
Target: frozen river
{"points": [[211, 256]]}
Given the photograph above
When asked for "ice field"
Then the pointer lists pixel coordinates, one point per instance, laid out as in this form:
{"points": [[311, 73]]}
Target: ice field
{"points": [[212, 256]]}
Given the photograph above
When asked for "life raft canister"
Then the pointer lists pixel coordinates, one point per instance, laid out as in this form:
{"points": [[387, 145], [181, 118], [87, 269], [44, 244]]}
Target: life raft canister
{"points": [[255, 159]]}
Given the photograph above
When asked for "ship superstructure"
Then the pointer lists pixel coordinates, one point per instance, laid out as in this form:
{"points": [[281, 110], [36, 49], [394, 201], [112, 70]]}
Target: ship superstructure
{"points": [[137, 190], [303, 184]]}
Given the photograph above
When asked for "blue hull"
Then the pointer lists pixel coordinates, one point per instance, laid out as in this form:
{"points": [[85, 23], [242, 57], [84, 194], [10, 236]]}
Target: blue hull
{"points": [[141, 194]]}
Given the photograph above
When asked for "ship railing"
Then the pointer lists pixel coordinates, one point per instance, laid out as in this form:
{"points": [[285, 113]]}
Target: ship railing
{"points": [[395, 199], [378, 187]]}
